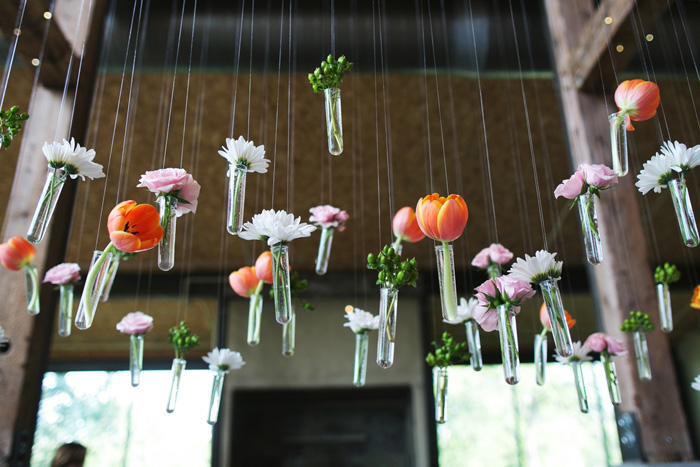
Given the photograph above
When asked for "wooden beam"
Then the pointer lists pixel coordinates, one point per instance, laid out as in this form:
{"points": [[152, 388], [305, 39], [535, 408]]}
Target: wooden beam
{"points": [[624, 281], [22, 369], [593, 58], [57, 50]]}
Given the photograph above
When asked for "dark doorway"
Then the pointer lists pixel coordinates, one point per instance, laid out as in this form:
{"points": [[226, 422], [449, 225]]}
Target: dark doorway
{"points": [[341, 427]]}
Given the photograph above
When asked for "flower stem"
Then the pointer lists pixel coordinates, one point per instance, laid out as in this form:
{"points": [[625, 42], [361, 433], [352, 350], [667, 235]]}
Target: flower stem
{"points": [[32, 289], [92, 277], [448, 293]]}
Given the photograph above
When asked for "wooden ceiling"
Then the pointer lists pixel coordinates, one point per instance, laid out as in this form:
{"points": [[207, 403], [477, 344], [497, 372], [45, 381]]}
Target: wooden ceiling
{"points": [[400, 144]]}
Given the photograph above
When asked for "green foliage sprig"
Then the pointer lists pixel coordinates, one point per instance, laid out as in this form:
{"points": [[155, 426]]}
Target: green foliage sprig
{"points": [[392, 271], [10, 124], [182, 340], [637, 321], [450, 353], [667, 274], [330, 74]]}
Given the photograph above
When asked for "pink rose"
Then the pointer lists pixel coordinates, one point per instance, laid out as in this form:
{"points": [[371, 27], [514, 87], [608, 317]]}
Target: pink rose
{"points": [[328, 216], [598, 175], [63, 274], [496, 253], [487, 289], [514, 289], [176, 182], [487, 319], [599, 342], [572, 187], [135, 323]]}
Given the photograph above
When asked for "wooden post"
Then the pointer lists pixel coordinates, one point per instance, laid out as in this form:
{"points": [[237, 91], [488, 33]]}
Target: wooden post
{"points": [[623, 282], [22, 368]]}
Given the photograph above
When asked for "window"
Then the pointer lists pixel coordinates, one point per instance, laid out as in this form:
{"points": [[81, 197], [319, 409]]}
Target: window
{"points": [[123, 425], [490, 423]]}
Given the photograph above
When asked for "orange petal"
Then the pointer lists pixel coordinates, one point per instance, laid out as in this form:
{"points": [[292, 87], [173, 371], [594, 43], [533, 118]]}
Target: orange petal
{"points": [[263, 267], [124, 241], [427, 212], [451, 221]]}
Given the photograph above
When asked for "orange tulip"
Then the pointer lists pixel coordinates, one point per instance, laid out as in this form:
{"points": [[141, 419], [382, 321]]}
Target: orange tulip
{"points": [[16, 253], [637, 100], [544, 318], [695, 301], [263, 267], [406, 227], [442, 219], [244, 281], [134, 227]]}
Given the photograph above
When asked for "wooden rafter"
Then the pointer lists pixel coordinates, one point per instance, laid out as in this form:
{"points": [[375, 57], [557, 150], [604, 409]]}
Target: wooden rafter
{"points": [[623, 282], [593, 57], [57, 50]]}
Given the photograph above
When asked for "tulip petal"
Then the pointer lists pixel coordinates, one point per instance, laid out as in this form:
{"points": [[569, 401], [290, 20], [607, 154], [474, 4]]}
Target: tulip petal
{"points": [[451, 221], [124, 241]]}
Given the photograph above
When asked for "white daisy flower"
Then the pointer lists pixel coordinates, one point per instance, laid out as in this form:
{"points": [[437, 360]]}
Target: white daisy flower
{"points": [[536, 269], [275, 227], [361, 320], [259, 227], [82, 165], [683, 159], [224, 359], [658, 170], [695, 384], [246, 154], [580, 354], [286, 228], [73, 158], [465, 311], [57, 154]]}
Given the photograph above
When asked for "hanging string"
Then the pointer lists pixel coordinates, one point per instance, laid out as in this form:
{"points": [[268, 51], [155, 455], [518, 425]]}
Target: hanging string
{"points": [[277, 106], [529, 131], [250, 64], [13, 48], [236, 64], [187, 87], [114, 128], [387, 121], [483, 128], [291, 87], [421, 23], [130, 109], [376, 126], [94, 115], [333, 27], [172, 89], [464, 252], [69, 69], [437, 96]]}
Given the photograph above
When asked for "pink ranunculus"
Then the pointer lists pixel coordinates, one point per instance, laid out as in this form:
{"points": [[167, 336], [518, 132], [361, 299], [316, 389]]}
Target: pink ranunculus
{"points": [[329, 216], [64, 273], [495, 253], [174, 182], [599, 342], [135, 323], [598, 175], [572, 187], [513, 288]]}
